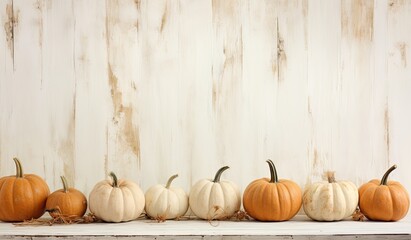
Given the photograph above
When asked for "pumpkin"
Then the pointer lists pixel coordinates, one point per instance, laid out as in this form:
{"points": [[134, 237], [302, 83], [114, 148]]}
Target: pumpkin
{"points": [[165, 202], [23, 196], [330, 200], [116, 200], [215, 199], [67, 201], [384, 200], [272, 199]]}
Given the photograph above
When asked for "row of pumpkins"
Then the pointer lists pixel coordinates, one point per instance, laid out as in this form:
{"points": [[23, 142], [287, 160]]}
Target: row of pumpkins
{"points": [[26, 196]]}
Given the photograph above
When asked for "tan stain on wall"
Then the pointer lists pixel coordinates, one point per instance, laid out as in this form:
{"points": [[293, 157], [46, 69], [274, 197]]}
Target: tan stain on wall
{"points": [[357, 19], [127, 134], [164, 17], [305, 16], [281, 55], [402, 47], [214, 92], [131, 133], [106, 170], [396, 5], [137, 3], [316, 161], [39, 5], [123, 116], [9, 27], [116, 94], [387, 129], [66, 149], [228, 28]]}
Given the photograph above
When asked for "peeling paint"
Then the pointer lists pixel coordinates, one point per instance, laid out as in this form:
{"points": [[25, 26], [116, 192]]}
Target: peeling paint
{"points": [[127, 133], [357, 19], [116, 95], [9, 27], [39, 5], [131, 133], [281, 56], [123, 116], [402, 47]]}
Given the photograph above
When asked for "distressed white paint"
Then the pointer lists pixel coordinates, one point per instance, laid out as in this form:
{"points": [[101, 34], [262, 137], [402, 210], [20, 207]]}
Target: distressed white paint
{"points": [[153, 88]]}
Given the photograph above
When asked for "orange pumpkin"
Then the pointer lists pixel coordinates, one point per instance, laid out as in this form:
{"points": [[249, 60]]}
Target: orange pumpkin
{"points": [[67, 201], [23, 196], [272, 199], [384, 200]]}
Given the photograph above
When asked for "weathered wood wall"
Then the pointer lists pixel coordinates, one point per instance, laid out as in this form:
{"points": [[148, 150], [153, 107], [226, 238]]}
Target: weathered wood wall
{"points": [[149, 88]]}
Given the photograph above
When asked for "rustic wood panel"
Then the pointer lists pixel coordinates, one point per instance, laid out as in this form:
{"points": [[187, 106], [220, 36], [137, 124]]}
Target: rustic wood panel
{"points": [[152, 88], [398, 67], [298, 228]]}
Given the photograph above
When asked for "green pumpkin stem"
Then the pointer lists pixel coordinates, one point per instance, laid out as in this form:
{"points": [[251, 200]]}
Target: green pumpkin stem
{"points": [[65, 185], [219, 172], [170, 180], [385, 177], [19, 168], [273, 172], [115, 180]]}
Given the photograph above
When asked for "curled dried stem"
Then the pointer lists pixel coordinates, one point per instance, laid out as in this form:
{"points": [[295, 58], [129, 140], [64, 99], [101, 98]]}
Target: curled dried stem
{"points": [[358, 215]]}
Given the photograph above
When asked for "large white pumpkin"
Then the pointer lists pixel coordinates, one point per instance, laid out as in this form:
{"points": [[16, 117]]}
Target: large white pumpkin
{"points": [[165, 202], [116, 200], [330, 200], [215, 199]]}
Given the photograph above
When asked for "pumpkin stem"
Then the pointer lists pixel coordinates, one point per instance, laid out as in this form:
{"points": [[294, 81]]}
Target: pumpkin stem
{"points": [[385, 177], [330, 176], [19, 168], [219, 172], [115, 180], [65, 185], [273, 171], [170, 180]]}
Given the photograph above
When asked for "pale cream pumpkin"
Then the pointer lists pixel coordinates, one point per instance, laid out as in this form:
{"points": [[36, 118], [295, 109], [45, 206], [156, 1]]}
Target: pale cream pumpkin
{"points": [[166, 202], [330, 200], [215, 199], [116, 200]]}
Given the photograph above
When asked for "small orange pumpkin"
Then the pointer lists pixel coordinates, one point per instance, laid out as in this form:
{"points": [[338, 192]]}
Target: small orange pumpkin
{"points": [[384, 200], [272, 199], [23, 196], [67, 201]]}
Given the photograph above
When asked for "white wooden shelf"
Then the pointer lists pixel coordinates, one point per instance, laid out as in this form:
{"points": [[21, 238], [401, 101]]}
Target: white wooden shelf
{"points": [[298, 228]]}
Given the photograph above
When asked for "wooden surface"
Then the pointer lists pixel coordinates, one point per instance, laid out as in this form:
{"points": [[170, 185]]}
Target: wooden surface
{"points": [[298, 228], [152, 88]]}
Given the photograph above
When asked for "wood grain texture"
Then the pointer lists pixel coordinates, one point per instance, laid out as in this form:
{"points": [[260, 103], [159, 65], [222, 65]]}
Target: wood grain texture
{"points": [[152, 88], [301, 227]]}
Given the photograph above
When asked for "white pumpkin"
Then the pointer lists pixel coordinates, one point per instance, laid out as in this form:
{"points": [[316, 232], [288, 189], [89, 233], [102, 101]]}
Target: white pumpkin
{"points": [[330, 200], [215, 199], [117, 200], [165, 202]]}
